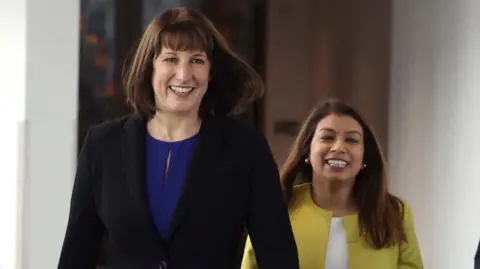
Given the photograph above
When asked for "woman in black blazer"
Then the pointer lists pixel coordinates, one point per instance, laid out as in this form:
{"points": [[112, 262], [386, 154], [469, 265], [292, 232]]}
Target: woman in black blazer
{"points": [[175, 184]]}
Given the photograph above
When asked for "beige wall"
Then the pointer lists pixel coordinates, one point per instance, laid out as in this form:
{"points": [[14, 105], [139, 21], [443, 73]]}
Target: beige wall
{"points": [[289, 68], [322, 48]]}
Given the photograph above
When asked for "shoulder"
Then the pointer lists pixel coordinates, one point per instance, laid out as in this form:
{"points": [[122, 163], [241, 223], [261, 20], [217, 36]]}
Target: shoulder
{"points": [[407, 213], [236, 128], [405, 210], [239, 133], [300, 196], [248, 143], [301, 190], [111, 129], [405, 207]]}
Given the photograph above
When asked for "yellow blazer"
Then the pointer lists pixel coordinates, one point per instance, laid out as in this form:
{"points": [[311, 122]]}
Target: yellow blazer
{"points": [[311, 228]]}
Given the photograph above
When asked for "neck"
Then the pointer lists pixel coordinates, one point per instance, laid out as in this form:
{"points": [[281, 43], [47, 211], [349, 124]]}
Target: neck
{"points": [[334, 196], [171, 127]]}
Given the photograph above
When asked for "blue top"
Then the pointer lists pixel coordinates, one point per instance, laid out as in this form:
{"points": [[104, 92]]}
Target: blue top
{"points": [[165, 187]]}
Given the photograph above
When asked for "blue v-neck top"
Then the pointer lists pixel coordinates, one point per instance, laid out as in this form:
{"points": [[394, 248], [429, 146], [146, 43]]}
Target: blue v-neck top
{"points": [[163, 192]]}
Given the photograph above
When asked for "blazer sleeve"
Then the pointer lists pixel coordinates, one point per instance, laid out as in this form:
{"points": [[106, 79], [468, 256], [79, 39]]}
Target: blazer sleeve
{"points": [[268, 223], [84, 229], [410, 256]]}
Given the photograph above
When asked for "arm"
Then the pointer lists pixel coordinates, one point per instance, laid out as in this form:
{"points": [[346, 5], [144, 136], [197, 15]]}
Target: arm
{"points": [[84, 230], [268, 222], [410, 257]]}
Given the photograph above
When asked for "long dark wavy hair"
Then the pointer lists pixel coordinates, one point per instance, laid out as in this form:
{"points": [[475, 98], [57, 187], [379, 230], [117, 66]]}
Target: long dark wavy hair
{"points": [[380, 214]]}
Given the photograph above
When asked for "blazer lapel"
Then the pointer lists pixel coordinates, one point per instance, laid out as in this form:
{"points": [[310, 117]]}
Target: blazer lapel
{"points": [[133, 151], [208, 143]]}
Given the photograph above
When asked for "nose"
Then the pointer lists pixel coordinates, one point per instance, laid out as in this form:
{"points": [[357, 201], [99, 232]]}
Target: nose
{"points": [[184, 72], [338, 145]]}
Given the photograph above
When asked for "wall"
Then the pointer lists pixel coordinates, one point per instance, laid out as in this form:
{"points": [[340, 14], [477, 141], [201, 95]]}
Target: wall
{"points": [[352, 56], [288, 68], [38, 112], [434, 126], [320, 48], [12, 114]]}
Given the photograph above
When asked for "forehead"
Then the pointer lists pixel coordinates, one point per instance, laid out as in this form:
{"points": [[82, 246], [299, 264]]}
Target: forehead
{"points": [[185, 36], [339, 123]]}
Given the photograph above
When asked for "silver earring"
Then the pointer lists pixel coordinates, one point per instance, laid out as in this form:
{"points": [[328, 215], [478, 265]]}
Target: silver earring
{"points": [[364, 165], [307, 160]]}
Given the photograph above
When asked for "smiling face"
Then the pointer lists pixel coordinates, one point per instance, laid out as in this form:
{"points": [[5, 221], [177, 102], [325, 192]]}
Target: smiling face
{"points": [[336, 151], [180, 80]]}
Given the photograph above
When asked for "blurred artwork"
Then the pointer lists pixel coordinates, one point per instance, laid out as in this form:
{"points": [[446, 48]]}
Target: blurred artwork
{"points": [[97, 48]]}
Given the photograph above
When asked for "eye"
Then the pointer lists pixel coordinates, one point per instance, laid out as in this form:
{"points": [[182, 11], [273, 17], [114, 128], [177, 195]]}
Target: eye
{"points": [[170, 60], [328, 138], [198, 61], [352, 140]]}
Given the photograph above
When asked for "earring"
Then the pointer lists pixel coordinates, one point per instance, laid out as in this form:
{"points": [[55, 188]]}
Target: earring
{"points": [[307, 161], [363, 166]]}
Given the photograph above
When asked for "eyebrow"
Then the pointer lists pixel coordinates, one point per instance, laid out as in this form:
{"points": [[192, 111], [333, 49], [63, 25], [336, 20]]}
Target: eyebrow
{"points": [[194, 55], [199, 54], [348, 132]]}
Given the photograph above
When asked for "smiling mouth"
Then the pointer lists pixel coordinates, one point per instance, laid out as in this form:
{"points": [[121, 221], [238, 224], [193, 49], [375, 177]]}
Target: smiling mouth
{"points": [[337, 163], [181, 90]]}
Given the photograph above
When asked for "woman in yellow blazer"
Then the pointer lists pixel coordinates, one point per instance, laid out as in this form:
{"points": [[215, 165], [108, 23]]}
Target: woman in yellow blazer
{"points": [[335, 184]]}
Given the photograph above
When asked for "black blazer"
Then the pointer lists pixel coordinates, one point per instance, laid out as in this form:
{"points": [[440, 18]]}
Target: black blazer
{"points": [[232, 182]]}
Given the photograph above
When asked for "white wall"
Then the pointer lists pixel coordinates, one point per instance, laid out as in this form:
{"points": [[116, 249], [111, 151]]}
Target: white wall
{"points": [[434, 145], [12, 114], [38, 112]]}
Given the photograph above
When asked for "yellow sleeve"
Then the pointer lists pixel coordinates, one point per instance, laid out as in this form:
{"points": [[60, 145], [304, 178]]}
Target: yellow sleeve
{"points": [[249, 261], [410, 256]]}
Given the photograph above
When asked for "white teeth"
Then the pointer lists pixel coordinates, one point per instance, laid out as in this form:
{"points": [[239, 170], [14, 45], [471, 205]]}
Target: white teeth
{"points": [[181, 89], [337, 163]]}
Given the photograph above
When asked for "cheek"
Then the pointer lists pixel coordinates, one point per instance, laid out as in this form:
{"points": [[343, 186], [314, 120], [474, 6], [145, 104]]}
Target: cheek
{"points": [[162, 72], [357, 156], [158, 79], [203, 79], [202, 75], [317, 154]]}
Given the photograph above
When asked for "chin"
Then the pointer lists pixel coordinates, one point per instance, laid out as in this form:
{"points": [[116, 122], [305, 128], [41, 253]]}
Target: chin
{"points": [[339, 178], [182, 108]]}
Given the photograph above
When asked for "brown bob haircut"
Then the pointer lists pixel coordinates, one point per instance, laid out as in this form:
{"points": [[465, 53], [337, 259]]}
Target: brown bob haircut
{"points": [[380, 214], [233, 85]]}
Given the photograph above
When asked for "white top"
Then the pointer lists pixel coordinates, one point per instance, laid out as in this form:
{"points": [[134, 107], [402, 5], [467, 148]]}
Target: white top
{"points": [[337, 248]]}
